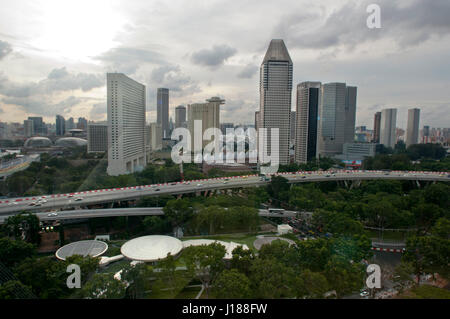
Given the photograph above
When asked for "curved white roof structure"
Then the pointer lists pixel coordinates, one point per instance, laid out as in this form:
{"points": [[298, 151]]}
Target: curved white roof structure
{"points": [[229, 246], [70, 142], [93, 248], [151, 248], [38, 141]]}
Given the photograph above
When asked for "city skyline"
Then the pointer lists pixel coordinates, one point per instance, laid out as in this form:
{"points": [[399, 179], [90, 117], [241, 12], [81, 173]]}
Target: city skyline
{"points": [[44, 73]]}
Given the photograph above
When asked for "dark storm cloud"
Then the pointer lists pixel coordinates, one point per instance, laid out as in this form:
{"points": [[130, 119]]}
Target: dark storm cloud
{"points": [[128, 60], [5, 49], [58, 80], [248, 71], [214, 57], [406, 23]]}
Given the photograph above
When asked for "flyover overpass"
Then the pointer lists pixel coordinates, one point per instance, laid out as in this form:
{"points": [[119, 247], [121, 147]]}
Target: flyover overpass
{"points": [[114, 212], [100, 196]]}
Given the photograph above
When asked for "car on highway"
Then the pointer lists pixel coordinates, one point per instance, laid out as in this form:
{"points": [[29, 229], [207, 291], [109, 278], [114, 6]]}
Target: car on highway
{"points": [[52, 214], [157, 190], [198, 185], [78, 199], [364, 293], [32, 204]]}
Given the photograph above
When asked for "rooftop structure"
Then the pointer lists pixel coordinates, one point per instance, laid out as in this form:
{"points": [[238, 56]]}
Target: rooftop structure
{"points": [[93, 248], [151, 248]]}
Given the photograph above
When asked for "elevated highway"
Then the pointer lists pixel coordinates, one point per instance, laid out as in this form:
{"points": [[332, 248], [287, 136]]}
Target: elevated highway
{"points": [[78, 200]]}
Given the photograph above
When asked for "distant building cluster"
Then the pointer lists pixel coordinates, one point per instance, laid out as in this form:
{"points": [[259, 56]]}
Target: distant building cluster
{"points": [[322, 124]]}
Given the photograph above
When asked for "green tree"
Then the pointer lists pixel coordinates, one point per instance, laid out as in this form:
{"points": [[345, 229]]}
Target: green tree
{"points": [[24, 226], [242, 259], [205, 262], [14, 251], [271, 279], [138, 279], [46, 277], [311, 284], [178, 211], [344, 276], [14, 289], [169, 277], [278, 188], [231, 284], [103, 286]]}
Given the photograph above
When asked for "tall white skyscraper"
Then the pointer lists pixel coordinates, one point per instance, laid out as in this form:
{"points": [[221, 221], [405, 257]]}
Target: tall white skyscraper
{"points": [[337, 111], [126, 124], [308, 97], [412, 130], [387, 127], [275, 91], [162, 110]]}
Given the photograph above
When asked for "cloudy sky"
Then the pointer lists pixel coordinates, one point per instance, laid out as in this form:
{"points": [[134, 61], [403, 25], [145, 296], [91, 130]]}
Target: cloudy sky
{"points": [[54, 53]]}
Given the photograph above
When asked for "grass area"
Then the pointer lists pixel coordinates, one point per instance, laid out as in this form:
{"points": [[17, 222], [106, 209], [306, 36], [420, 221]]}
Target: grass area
{"points": [[114, 267], [246, 239], [188, 293], [426, 292]]}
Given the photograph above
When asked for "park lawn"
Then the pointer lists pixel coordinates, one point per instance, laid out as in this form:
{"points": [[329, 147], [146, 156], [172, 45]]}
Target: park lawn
{"points": [[426, 292], [188, 293], [246, 239]]}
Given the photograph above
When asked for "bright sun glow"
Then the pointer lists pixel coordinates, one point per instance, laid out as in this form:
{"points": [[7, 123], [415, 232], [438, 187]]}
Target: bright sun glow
{"points": [[78, 30]]}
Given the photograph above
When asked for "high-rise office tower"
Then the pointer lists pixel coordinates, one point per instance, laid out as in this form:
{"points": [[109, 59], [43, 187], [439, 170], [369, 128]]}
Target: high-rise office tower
{"points": [[308, 97], [38, 125], [162, 110], [376, 127], [60, 125], [180, 116], [82, 124], [350, 114], [70, 124], [388, 127], [293, 121], [28, 128], [97, 136], [126, 124], [412, 130], [257, 120], [208, 113], [337, 109], [425, 134], [275, 91]]}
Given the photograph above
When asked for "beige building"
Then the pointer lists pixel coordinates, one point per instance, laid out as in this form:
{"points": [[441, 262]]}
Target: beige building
{"points": [[155, 136], [208, 113]]}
